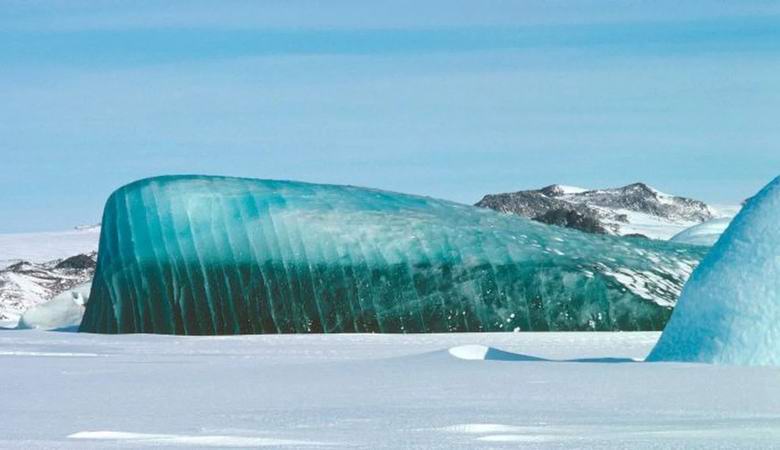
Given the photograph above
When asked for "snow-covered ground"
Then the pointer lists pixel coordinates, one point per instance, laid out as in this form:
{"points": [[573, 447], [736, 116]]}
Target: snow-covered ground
{"points": [[662, 228], [69, 390], [648, 225], [47, 246], [658, 227]]}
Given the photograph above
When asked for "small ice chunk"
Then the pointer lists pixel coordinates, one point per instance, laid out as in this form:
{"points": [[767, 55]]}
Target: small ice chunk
{"points": [[63, 311]]}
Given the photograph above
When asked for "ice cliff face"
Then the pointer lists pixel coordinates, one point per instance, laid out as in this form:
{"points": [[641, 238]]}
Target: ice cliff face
{"points": [[729, 311], [215, 255], [633, 209]]}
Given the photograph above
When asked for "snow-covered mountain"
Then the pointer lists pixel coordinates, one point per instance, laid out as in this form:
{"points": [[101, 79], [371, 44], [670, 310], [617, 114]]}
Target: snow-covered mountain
{"points": [[636, 209], [27, 284], [35, 267]]}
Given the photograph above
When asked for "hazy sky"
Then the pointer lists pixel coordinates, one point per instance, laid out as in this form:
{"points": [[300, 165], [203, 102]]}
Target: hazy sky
{"points": [[452, 99]]}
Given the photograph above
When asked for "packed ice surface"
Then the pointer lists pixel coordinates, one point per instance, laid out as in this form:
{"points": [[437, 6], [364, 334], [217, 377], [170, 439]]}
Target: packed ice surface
{"points": [[63, 311], [215, 255], [706, 233], [380, 391], [729, 311]]}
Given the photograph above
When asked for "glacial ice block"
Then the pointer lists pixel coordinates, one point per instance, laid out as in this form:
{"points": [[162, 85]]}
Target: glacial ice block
{"points": [[216, 255], [729, 311], [64, 311]]}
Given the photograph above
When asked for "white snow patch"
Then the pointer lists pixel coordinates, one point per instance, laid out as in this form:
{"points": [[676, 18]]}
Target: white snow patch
{"points": [[189, 440], [487, 428], [471, 352], [515, 438], [725, 211], [57, 354], [566, 189], [649, 225], [46, 246]]}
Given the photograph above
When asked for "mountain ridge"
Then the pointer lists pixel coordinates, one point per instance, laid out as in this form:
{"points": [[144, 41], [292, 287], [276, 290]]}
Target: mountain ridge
{"points": [[634, 209]]}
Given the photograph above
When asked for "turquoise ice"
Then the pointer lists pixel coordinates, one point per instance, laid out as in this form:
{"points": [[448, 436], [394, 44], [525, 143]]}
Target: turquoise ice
{"points": [[216, 255], [729, 311]]}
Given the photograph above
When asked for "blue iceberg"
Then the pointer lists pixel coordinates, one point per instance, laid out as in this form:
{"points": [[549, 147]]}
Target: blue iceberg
{"points": [[218, 255], [729, 311]]}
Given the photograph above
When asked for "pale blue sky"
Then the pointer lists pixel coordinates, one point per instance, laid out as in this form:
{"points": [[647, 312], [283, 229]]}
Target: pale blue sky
{"points": [[452, 99]]}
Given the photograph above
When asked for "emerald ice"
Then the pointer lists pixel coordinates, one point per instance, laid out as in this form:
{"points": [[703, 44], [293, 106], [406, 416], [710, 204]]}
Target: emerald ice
{"points": [[216, 255]]}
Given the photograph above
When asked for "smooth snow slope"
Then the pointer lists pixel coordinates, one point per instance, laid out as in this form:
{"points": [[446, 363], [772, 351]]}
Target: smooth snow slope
{"points": [[68, 390], [47, 246], [729, 310], [706, 233]]}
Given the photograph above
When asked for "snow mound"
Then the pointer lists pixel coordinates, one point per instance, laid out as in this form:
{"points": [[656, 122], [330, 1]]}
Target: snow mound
{"points": [[477, 352], [729, 311], [470, 352], [706, 233], [63, 311]]}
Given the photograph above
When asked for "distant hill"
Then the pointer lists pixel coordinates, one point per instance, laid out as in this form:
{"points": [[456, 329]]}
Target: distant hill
{"points": [[633, 210]]}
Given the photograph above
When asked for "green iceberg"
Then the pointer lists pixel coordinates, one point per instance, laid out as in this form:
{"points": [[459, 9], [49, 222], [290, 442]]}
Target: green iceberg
{"points": [[218, 255]]}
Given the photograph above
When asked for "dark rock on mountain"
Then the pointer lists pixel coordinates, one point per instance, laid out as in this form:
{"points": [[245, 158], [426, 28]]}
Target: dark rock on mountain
{"points": [[25, 284], [570, 218], [77, 262], [633, 209]]}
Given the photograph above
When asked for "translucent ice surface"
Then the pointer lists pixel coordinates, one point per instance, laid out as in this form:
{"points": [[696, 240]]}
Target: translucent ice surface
{"points": [[215, 255], [729, 311]]}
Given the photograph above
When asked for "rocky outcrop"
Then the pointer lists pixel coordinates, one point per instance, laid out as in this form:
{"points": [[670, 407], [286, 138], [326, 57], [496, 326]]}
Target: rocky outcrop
{"points": [[25, 284], [628, 210]]}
